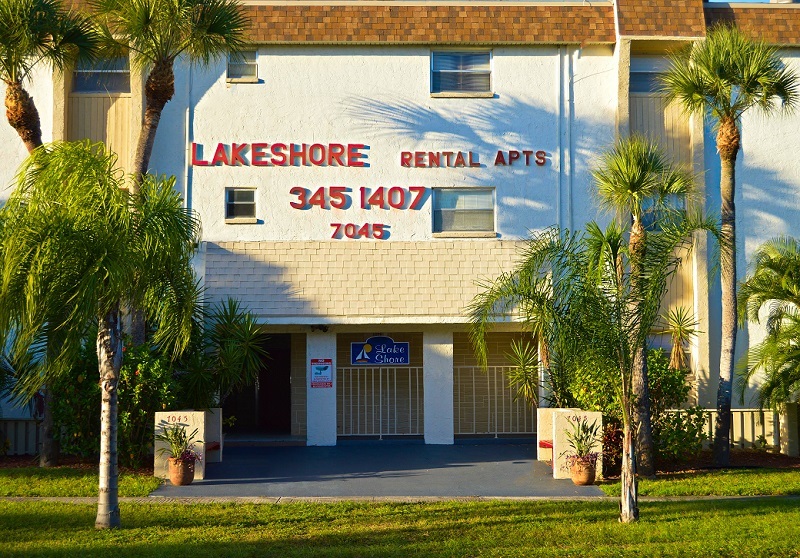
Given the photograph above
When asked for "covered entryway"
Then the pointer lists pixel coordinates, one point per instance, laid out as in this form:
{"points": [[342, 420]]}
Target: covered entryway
{"points": [[266, 408]]}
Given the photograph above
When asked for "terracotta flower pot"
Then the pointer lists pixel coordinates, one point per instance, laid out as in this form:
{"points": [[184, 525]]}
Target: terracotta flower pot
{"points": [[583, 473], [180, 472]]}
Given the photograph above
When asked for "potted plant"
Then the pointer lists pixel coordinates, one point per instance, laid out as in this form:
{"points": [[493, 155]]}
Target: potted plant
{"points": [[582, 460], [180, 447]]}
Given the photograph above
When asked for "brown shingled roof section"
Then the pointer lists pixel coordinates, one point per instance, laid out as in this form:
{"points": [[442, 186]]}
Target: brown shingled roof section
{"points": [[399, 24], [661, 18], [775, 25]]}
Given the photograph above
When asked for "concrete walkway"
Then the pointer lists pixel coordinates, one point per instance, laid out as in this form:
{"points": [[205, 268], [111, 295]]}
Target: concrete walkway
{"points": [[380, 470]]}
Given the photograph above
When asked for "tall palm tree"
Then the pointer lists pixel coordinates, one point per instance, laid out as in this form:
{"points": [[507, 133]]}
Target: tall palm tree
{"points": [[722, 77], [74, 249], [597, 315], [35, 33], [634, 179], [774, 284], [156, 33]]}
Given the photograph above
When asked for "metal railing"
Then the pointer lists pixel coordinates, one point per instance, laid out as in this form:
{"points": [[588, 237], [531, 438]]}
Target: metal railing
{"points": [[484, 404], [379, 401]]}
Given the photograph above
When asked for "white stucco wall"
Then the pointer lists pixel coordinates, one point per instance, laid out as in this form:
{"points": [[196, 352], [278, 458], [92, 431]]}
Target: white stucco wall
{"points": [[560, 101]]}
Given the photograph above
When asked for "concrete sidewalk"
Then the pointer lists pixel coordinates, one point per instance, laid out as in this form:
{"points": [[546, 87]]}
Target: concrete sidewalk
{"points": [[380, 470]]}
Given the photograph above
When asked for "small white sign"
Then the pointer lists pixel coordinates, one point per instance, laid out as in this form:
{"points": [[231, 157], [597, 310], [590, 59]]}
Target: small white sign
{"points": [[321, 373]]}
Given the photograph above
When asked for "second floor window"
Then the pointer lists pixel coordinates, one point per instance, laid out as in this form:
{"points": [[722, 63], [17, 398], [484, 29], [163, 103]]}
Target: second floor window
{"points": [[102, 76], [465, 72], [463, 210]]}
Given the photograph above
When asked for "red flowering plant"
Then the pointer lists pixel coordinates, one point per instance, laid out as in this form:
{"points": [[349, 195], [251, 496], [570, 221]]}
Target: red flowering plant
{"points": [[581, 439], [180, 446]]}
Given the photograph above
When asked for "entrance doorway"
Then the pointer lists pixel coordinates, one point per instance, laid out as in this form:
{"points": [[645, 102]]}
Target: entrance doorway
{"points": [[266, 408]]}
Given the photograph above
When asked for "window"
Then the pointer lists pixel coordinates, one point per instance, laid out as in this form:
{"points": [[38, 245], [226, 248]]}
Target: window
{"points": [[466, 73], [242, 67], [644, 82], [463, 210], [240, 205], [110, 76]]}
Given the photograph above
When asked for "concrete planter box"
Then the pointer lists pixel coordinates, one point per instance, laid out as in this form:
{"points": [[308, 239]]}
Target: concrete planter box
{"points": [[209, 429]]}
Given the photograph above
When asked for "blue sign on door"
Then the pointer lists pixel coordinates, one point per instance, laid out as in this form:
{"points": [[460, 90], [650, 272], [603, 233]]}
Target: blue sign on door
{"points": [[379, 351]]}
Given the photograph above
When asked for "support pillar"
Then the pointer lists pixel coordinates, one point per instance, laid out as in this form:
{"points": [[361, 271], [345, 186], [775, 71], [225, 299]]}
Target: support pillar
{"points": [[321, 403], [437, 354]]}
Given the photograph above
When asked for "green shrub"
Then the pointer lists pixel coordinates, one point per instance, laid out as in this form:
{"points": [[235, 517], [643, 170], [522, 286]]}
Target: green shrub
{"points": [[76, 406], [145, 386], [668, 387], [676, 435], [679, 435]]}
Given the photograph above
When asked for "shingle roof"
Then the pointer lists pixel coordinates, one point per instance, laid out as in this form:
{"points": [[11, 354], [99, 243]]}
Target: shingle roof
{"points": [[311, 21], [661, 18], [432, 24], [778, 25]]}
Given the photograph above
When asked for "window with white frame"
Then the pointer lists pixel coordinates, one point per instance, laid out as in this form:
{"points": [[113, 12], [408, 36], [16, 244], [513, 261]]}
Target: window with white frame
{"points": [[102, 76], [463, 210], [243, 66], [467, 73], [240, 204]]}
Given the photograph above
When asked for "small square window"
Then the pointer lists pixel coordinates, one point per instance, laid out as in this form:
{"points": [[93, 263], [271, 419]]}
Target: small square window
{"points": [[463, 210], [240, 204], [109, 76], [466, 73], [243, 66]]}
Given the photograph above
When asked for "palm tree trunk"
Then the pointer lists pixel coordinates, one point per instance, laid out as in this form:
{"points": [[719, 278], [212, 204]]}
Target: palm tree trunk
{"points": [[159, 89], [49, 453], [728, 147], [109, 357], [629, 499], [641, 391], [641, 418], [22, 115]]}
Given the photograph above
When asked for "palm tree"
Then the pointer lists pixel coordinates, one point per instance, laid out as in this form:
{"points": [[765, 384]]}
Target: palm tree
{"points": [[774, 283], [156, 33], [226, 354], [634, 179], [596, 314], [722, 77], [32, 33], [35, 33], [75, 248]]}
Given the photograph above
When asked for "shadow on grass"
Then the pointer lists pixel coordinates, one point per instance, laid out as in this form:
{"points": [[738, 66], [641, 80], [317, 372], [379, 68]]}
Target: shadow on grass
{"points": [[439, 529]]}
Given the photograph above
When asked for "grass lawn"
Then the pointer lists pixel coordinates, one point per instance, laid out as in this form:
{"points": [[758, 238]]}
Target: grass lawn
{"points": [[68, 481], [724, 482], [741, 528]]}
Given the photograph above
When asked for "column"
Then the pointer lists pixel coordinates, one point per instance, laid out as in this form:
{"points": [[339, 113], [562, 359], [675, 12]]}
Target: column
{"points": [[321, 403], [437, 355]]}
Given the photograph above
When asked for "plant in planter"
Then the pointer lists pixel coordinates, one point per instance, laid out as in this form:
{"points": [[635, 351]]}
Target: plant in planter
{"points": [[582, 460], [180, 447]]}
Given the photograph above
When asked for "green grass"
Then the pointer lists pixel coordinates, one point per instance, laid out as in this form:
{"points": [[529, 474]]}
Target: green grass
{"points": [[742, 528], [725, 482], [67, 481]]}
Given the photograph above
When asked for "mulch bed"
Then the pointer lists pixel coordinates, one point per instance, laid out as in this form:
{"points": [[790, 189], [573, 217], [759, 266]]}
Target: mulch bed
{"points": [[740, 459]]}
